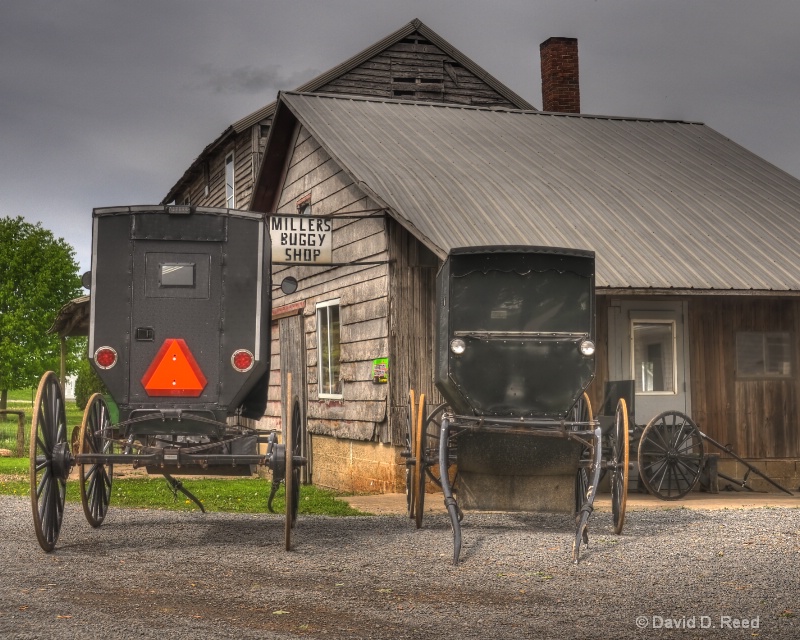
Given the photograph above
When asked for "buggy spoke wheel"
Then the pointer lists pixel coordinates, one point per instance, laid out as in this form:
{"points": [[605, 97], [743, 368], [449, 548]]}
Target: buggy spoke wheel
{"points": [[581, 488], [412, 452], [292, 477], [95, 479], [671, 454], [418, 480], [432, 427], [288, 485], [582, 412], [620, 448], [50, 461]]}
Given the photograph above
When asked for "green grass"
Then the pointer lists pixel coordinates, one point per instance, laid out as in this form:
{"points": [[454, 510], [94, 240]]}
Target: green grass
{"points": [[239, 495], [22, 395]]}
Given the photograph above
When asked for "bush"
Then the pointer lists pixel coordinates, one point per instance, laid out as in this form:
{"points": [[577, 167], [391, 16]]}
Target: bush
{"points": [[87, 384]]}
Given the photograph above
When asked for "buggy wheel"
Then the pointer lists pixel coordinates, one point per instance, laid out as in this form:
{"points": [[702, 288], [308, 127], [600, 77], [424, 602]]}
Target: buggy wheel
{"points": [[432, 428], [582, 412], [670, 455], [289, 486], [292, 480], [412, 452], [418, 479], [95, 479], [620, 454], [50, 461], [581, 488]]}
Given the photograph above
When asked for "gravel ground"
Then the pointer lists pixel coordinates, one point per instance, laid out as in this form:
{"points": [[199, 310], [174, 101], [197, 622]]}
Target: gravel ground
{"points": [[160, 574]]}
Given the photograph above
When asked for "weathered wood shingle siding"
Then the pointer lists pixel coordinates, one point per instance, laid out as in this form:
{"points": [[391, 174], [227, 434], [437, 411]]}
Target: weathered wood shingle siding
{"points": [[248, 148], [759, 418], [415, 69], [411, 320], [362, 291]]}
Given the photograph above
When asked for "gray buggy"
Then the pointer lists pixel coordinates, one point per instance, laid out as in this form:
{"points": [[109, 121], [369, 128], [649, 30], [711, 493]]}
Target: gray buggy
{"points": [[179, 334], [515, 352]]}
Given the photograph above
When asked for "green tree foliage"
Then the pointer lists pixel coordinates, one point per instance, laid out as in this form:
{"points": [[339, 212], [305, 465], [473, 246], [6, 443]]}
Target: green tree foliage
{"points": [[38, 275], [88, 383]]}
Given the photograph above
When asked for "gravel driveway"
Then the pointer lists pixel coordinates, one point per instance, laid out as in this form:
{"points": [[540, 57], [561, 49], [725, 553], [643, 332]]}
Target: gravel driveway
{"points": [[163, 574]]}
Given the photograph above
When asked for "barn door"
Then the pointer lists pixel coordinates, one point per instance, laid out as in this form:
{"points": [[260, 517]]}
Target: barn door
{"points": [[648, 344], [293, 359]]}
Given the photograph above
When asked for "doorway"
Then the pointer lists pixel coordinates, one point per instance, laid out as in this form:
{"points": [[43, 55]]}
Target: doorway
{"points": [[648, 343]]}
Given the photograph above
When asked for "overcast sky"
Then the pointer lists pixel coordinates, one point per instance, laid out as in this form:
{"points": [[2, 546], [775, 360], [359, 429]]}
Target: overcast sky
{"points": [[106, 102]]}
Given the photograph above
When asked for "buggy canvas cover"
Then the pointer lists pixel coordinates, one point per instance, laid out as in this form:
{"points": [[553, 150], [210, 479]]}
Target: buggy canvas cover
{"points": [[180, 301]]}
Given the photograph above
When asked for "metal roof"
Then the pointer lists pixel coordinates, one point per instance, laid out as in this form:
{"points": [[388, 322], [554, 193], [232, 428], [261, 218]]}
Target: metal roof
{"points": [[664, 204]]}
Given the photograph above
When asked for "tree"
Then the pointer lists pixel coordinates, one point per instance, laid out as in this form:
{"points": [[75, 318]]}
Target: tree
{"points": [[38, 275], [88, 383]]}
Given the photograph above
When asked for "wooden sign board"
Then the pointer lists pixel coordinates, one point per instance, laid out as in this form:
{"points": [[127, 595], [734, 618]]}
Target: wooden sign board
{"points": [[301, 239]]}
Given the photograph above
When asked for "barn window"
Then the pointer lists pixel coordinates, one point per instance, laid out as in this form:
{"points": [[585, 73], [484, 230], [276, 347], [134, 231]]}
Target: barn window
{"points": [[762, 354], [230, 180], [653, 355], [328, 348], [304, 205]]}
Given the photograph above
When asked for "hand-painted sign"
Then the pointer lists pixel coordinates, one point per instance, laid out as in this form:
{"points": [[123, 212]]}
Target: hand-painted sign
{"points": [[301, 239]]}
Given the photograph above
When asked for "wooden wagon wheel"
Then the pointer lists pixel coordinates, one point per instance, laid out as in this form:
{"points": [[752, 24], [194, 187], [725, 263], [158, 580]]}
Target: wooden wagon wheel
{"points": [[411, 449], [620, 455], [95, 479], [670, 455], [292, 479], [429, 435], [418, 481], [582, 412], [50, 461]]}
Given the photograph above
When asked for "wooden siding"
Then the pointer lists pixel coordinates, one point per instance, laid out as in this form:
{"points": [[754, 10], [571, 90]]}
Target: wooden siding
{"points": [[248, 148], [415, 69], [362, 290], [596, 389], [759, 418], [411, 323], [412, 69]]}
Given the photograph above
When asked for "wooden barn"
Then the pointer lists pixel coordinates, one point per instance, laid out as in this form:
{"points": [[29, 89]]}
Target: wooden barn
{"points": [[698, 264], [413, 63]]}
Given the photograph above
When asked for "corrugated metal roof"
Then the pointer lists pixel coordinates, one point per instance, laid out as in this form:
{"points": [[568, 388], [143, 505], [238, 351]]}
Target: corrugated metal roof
{"points": [[664, 204]]}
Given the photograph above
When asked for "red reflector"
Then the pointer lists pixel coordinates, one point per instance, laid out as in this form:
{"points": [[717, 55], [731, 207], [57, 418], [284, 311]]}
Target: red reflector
{"points": [[174, 372], [242, 360], [105, 357]]}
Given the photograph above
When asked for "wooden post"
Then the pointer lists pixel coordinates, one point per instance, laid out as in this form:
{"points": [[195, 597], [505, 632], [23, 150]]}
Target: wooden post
{"points": [[20, 434], [20, 452]]}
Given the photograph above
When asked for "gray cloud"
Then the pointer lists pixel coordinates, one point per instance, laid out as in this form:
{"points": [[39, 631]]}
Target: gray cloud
{"points": [[105, 103], [253, 80]]}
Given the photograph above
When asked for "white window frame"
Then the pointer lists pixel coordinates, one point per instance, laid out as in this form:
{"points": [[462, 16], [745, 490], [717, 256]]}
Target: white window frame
{"points": [[674, 332], [327, 349], [230, 181]]}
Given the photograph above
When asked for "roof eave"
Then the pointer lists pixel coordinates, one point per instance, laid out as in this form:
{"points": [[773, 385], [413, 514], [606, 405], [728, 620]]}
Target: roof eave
{"points": [[694, 292]]}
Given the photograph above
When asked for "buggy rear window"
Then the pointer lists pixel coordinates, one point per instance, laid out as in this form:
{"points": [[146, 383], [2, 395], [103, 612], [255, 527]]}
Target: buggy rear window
{"points": [[177, 275]]}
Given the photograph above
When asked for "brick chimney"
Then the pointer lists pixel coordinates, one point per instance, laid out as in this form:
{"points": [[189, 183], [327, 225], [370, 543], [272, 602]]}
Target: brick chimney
{"points": [[560, 87]]}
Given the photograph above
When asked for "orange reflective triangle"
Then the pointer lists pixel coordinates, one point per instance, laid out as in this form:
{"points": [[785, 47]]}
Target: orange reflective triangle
{"points": [[174, 372]]}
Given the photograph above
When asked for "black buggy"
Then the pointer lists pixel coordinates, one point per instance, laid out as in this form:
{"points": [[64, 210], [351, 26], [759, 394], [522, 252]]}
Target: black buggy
{"points": [[179, 334], [515, 352]]}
